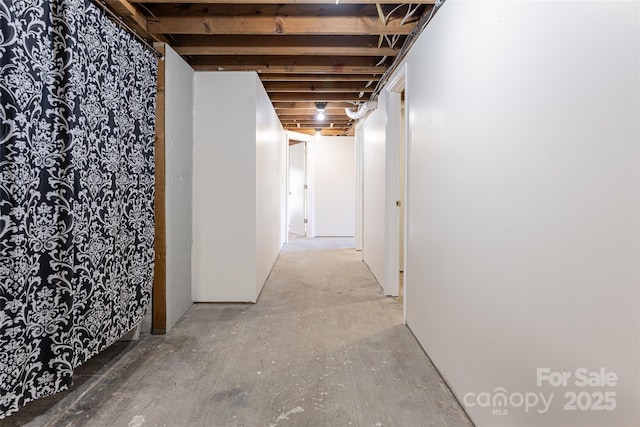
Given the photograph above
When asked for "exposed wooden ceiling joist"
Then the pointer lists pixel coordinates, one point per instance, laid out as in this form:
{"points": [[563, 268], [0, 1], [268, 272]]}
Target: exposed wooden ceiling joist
{"points": [[274, 40], [310, 117], [134, 18], [315, 125], [285, 113], [125, 9], [279, 105], [313, 25], [315, 97], [341, 2], [259, 9], [291, 60], [304, 51], [285, 50], [337, 87], [336, 130], [319, 77], [296, 69]]}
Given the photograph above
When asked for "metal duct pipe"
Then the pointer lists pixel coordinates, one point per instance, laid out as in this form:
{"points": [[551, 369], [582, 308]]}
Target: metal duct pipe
{"points": [[362, 110]]}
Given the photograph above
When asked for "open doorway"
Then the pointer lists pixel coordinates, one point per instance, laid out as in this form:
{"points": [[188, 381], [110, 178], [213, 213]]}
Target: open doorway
{"points": [[297, 195], [401, 195], [396, 282]]}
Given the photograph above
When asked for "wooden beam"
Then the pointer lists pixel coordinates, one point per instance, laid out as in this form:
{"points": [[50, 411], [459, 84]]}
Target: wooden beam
{"points": [[313, 25], [159, 294], [316, 97], [262, 9], [311, 123], [274, 40], [295, 69], [312, 117], [273, 87], [295, 113], [319, 125], [373, 2], [336, 63], [285, 50], [279, 105], [126, 10], [133, 18], [318, 77], [325, 131]]}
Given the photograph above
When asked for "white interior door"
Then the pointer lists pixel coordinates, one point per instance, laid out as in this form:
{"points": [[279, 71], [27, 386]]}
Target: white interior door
{"points": [[297, 181]]}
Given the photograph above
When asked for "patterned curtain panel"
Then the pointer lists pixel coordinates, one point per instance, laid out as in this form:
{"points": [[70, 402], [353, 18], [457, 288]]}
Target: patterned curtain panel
{"points": [[77, 112]]}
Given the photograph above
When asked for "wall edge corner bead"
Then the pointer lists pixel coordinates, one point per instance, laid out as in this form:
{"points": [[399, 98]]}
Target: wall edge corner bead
{"points": [[77, 119]]}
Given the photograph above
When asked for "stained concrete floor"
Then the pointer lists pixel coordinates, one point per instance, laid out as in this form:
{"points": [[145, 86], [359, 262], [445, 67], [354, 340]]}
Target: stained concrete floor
{"points": [[322, 347]]}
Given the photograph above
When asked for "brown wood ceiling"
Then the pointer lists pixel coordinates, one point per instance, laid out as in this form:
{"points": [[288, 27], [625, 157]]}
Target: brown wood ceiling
{"points": [[305, 51]]}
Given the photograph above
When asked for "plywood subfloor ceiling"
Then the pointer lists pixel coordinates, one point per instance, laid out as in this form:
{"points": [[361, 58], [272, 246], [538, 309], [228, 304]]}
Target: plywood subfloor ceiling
{"points": [[305, 51]]}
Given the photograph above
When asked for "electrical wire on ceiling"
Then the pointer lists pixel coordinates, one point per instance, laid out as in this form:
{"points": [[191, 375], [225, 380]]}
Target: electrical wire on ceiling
{"points": [[411, 38], [363, 108]]}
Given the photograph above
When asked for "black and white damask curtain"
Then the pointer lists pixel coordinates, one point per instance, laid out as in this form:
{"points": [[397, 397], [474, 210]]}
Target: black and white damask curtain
{"points": [[77, 112]]}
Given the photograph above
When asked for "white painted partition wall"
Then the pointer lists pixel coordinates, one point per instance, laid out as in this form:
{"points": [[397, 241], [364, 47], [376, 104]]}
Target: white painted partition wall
{"points": [[333, 185], [178, 184], [523, 206], [359, 153], [239, 185], [373, 240], [270, 184]]}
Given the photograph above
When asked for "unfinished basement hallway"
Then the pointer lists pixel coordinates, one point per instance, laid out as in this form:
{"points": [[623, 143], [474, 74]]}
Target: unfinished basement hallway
{"points": [[322, 347]]}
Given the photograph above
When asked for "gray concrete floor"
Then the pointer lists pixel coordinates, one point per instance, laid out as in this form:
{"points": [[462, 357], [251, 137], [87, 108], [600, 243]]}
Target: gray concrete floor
{"points": [[322, 347]]}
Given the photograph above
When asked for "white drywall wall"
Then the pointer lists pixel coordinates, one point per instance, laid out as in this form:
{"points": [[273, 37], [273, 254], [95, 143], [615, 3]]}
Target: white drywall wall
{"points": [[523, 203], [178, 183], [270, 183], [373, 244], [239, 186], [359, 182], [224, 187], [334, 185]]}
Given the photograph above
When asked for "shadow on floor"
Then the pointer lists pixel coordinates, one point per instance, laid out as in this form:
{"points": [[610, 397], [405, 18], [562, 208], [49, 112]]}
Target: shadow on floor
{"points": [[43, 411]]}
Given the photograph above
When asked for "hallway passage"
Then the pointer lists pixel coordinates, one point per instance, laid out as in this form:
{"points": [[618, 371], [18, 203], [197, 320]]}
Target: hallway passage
{"points": [[322, 347]]}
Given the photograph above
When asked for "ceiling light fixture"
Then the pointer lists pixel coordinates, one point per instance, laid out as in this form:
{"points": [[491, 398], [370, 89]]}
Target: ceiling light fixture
{"points": [[318, 131], [321, 107]]}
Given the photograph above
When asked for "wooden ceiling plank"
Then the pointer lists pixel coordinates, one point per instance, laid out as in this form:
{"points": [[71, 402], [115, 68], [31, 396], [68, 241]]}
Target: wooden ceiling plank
{"points": [[301, 112], [275, 40], [315, 124], [302, 116], [337, 63], [324, 132], [316, 87], [125, 9], [260, 9], [342, 2], [320, 90], [314, 25], [308, 105], [285, 50], [296, 69], [316, 97], [132, 17], [344, 122], [317, 78]]}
